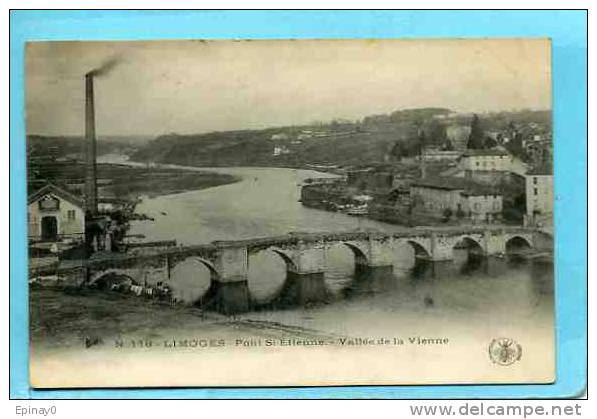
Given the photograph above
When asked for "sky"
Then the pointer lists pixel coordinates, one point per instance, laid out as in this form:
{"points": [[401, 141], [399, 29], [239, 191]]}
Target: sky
{"points": [[159, 87]]}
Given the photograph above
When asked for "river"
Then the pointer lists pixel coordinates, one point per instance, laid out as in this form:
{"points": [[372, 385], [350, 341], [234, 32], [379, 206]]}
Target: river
{"points": [[464, 299]]}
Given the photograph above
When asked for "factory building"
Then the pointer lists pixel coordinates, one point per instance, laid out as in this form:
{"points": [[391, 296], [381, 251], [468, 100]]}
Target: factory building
{"points": [[54, 214]]}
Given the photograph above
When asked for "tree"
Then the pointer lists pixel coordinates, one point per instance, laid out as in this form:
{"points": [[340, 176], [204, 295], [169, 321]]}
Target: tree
{"points": [[436, 133], [422, 141], [490, 142], [398, 151], [476, 139], [514, 146]]}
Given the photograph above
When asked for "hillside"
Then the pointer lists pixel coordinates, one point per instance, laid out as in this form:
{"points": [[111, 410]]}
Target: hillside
{"points": [[43, 146], [372, 140]]}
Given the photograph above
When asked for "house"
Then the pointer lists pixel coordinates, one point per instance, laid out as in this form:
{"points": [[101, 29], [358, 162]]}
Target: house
{"points": [[280, 150], [279, 137], [434, 154], [489, 166], [486, 159], [539, 196], [358, 178], [456, 197], [53, 214], [458, 135]]}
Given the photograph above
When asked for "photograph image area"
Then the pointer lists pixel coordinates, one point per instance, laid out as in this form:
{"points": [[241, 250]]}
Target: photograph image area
{"points": [[290, 212]]}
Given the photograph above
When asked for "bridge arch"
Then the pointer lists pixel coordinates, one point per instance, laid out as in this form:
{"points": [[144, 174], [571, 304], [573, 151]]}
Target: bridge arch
{"points": [[360, 257], [516, 243], [469, 243], [421, 251], [290, 264], [267, 273], [191, 279], [210, 266], [101, 277]]}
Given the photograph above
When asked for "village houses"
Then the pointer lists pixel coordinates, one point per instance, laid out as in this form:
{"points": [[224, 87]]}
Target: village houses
{"points": [[447, 197]]}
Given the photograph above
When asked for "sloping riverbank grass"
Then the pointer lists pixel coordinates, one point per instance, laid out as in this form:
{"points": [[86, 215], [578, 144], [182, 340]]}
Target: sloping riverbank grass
{"points": [[128, 182], [122, 181], [60, 319]]}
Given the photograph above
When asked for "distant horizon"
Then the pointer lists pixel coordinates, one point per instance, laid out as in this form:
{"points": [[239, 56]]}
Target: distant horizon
{"points": [[157, 87], [100, 136]]}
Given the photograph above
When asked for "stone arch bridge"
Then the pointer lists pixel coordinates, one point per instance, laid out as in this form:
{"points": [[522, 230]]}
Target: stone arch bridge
{"points": [[304, 255]]}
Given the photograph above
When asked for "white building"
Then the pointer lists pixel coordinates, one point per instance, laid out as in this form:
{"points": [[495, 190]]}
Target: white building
{"points": [[279, 137], [539, 198], [486, 159], [279, 150], [458, 135], [433, 154], [54, 214], [495, 159]]}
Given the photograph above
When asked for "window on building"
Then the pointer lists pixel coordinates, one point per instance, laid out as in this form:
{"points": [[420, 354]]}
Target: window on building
{"points": [[477, 163], [534, 191], [70, 214], [28, 217], [535, 180]]}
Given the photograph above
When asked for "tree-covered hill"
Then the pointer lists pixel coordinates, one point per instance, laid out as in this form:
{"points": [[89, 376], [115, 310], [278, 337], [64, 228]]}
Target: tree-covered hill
{"points": [[374, 139]]}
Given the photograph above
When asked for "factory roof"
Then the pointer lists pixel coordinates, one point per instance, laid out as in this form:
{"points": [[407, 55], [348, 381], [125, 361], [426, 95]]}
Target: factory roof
{"points": [[55, 190]]}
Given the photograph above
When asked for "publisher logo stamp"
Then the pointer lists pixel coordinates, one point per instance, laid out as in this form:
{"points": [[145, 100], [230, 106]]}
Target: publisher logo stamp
{"points": [[504, 351]]}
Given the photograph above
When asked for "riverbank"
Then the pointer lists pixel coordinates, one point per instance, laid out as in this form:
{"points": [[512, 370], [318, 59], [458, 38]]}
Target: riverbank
{"points": [[128, 182], [86, 318], [120, 180]]}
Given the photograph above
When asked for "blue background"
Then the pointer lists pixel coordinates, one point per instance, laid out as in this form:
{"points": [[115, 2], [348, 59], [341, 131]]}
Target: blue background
{"points": [[568, 31]]}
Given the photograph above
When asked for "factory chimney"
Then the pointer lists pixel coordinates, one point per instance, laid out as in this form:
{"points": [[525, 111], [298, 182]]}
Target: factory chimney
{"points": [[90, 149]]}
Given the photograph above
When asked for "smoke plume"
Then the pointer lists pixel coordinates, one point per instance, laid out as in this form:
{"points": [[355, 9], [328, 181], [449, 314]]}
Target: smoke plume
{"points": [[104, 68]]}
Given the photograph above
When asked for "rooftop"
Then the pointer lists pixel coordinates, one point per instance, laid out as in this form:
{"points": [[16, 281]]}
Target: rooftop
{"points": [[60, 192]]}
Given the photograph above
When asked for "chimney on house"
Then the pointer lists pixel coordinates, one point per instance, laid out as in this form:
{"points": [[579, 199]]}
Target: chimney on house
{"points": [[90, 149]]}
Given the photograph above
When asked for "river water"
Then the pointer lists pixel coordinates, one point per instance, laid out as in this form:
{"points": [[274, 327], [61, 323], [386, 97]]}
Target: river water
{"points": [[464, 299]]}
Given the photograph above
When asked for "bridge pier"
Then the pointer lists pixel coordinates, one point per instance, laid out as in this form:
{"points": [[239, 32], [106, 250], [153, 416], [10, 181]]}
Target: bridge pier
{"points": [[441, 248], [375, 259], [304, 288], [305, 276], [229, 297], [229, 291], [494, 242]]}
